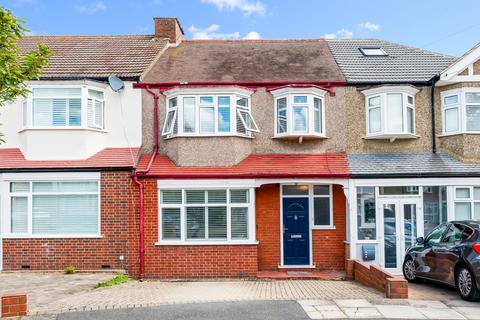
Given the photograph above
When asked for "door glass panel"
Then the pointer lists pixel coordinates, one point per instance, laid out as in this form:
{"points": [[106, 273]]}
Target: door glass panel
{"points": [[391, 191], [390, 234], [434, 207], [463, 210], [410, 224], [295, 190]]}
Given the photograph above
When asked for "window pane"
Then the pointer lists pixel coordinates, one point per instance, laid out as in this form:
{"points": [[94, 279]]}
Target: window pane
{"points": [[374, 101], [54, 92], [472, 97], [98, 114], [223, 114], [366, 213], [75, 112], [410, 120], [195, 196], [375, 120], [171, 196], [19, 215], [95, 94], [450, 99], [296, 190], [451, 120], [195, 222], [240, 126], [321, 210], [65, 214], [300, 121], [189, 114], [249, 124], [217, 222], [434, 207], [42, 112], [59, 112], [463, 211], [473, 118], [321, 190], [317, 115], [398, 190], [172, 103], [207, 120], [24, 113], [410, 100], [171, 223], [65, 186], [476, 193], [239, 221], [476, 211], [239, 196], [395, 112], [299, 99], [19, 186], [217, 196], [206, 100], [169, 121], [282, 115], [462, 193], [243, 102]]}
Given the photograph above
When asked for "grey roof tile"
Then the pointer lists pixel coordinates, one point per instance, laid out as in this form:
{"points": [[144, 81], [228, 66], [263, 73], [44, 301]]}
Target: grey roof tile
{"points": [[409, 164], [402, 63]]}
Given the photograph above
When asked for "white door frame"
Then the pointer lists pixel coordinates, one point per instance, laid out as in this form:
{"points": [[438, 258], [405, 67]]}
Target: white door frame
{"points": [[399, 202]]}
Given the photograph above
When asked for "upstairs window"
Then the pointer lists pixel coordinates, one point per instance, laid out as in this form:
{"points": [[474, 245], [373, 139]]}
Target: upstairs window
{"points": [[299, 112], [64, 106], [461, 111], [193, 113], [390, 112]]}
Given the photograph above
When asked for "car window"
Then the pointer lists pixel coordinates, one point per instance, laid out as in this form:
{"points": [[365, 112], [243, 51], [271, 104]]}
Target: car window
{"points": [[436, 235], [467, 232], [453, 234]]}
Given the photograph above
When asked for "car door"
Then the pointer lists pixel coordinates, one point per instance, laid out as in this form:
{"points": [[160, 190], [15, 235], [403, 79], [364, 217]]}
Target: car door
{"points": [[425, 256], [447, 253]]}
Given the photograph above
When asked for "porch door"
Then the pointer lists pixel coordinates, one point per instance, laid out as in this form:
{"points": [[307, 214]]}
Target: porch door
{"points": [[296, 235], [400, 229]]}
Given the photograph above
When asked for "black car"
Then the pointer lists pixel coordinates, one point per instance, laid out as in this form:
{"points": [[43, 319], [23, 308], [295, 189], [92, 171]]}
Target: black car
{"points": [[450, 254]]}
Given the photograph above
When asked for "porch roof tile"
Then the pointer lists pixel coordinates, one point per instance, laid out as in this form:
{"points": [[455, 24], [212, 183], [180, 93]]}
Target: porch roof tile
{"points": [[255, 166]]}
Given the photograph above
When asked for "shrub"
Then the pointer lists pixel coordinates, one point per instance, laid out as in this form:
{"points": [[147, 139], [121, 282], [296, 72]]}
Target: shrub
{"points": [[70, 270]]}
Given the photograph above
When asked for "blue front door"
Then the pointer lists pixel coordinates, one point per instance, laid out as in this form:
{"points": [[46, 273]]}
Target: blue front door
{"points": [[296, 236]]}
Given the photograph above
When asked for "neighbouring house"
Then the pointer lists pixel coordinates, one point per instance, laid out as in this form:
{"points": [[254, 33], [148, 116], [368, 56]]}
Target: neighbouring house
{"points": [[70, 148], [228, 158]]}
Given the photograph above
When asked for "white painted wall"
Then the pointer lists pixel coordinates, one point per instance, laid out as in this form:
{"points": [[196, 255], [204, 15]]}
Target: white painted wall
{"points": [[123, 127]]}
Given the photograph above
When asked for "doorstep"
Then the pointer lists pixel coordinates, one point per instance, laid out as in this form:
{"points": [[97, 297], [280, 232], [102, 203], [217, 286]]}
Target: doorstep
{"points": [[301, 275]]}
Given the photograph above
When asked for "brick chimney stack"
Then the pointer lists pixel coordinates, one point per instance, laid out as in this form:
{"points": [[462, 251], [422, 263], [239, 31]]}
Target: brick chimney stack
{"points": [[168, 28]]}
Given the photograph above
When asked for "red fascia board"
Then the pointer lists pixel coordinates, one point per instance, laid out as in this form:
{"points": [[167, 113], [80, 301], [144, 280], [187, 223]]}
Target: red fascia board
{"points": [[271, 84], [247, 176]]}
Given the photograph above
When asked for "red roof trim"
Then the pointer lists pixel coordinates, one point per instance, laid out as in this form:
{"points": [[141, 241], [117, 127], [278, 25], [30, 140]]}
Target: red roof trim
{"points": [[167, 85]]}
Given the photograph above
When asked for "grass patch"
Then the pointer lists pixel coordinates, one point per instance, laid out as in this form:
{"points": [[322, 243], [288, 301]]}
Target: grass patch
{"points": [[121, 278], [70, 270]]}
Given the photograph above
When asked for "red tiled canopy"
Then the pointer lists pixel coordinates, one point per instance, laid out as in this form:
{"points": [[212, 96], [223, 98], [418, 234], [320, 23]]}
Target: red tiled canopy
{"points": [[13, 158], [255, 166]]}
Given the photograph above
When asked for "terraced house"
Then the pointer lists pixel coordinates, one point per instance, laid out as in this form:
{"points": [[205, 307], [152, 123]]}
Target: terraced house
{"points": [[246, 156]]}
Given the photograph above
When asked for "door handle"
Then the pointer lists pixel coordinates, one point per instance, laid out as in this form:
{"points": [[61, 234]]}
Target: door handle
{"points": [[296, 236]]}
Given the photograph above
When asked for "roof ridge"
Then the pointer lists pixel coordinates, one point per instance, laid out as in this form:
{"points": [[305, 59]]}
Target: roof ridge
{"points": [[254, 40], [89, 36]]}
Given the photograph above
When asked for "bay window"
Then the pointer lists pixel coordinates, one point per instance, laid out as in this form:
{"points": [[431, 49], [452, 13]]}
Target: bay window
{"points": [[299, 112], [461, 111], [216, 112], [64, 107], [390, 112], [467, 203], [53, 208], [205, 215]]}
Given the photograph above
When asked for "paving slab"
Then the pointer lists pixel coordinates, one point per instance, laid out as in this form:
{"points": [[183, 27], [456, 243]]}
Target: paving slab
{"points": [[362, 313], [399, 312], [471, 313], [352, 303], [330, 312], [441, 313], [426, 304]]}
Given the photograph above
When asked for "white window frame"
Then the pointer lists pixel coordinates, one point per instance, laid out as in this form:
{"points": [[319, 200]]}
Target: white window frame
{"points": [[183, 216], [28, 119], [382, 93], [471, 200], [461, 106], [234, 93], [311, 94], [6, 195]]}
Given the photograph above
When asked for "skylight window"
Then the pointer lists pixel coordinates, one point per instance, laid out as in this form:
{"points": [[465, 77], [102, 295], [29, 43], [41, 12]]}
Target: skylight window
{"points": [[373, 52]]}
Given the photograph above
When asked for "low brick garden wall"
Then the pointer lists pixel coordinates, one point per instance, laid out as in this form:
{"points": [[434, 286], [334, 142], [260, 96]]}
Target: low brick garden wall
{"points": [[14, 305], [372, 276]]}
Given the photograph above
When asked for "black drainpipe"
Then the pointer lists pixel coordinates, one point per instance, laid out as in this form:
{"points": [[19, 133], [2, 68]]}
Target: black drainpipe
{"points": [[432, 99]]}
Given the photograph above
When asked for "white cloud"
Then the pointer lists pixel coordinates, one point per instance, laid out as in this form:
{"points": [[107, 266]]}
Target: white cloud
{"points": [[340, 34], [246, 6], [92, 7], [369, 26], [212, 33]]}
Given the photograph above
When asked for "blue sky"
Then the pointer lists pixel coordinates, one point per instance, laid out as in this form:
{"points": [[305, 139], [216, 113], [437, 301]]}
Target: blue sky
{"points": [[432, 24]]}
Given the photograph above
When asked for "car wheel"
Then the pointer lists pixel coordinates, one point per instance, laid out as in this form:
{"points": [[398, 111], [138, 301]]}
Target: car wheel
{"points": [[409, 270], [466, 286]]}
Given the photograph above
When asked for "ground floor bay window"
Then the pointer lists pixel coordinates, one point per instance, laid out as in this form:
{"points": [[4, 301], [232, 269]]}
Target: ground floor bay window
{"points": [[387, 216]]}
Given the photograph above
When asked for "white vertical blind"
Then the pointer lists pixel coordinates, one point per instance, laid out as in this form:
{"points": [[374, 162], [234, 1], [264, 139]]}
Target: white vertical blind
{"points": [[282, 115], [217, 222], [19, 215], [239, 221]]}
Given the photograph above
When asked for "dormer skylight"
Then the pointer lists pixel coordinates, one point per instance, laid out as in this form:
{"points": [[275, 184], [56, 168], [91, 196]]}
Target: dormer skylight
{"points": [[373, 51]]}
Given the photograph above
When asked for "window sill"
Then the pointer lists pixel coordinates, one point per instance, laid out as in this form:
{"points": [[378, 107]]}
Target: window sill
{"points": [[391, 136], [458, 134], [62, 129], [208, 136], [204, 243], [295, 136], [324, 228], [52, 236]]}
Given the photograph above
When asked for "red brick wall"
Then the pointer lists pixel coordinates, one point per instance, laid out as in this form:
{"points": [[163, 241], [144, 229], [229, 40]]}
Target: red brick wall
{"points": [[83, 254], [328, 245], [185, 261]]}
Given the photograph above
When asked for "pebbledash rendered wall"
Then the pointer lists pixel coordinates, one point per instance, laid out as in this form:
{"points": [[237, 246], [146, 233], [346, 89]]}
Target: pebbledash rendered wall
{"points": [[83, 254]]}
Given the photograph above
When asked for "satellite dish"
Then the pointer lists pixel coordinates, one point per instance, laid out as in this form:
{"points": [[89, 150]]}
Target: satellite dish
{"points": [[115, 83]]}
